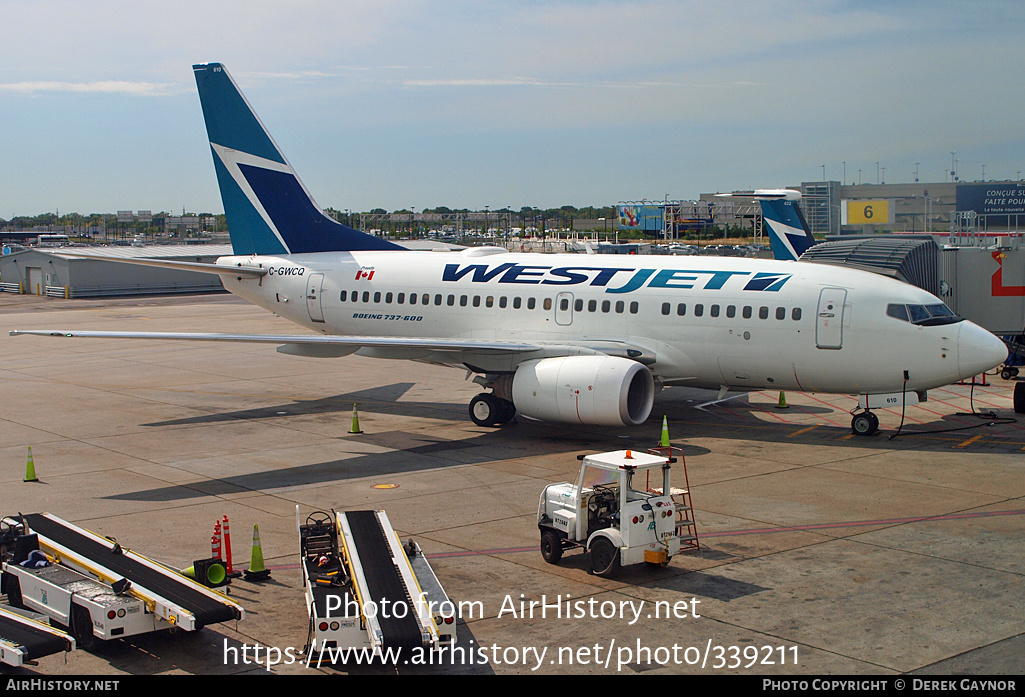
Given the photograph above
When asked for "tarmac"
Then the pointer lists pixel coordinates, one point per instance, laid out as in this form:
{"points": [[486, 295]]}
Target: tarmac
{"points": [[820, 552]]}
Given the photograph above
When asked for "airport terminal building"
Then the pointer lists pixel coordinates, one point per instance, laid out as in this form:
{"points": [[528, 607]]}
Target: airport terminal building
{"points": [[833, 208]]}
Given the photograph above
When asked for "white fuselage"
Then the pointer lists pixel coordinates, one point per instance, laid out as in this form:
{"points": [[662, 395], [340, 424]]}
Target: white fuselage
{"points": [[703, 321]]}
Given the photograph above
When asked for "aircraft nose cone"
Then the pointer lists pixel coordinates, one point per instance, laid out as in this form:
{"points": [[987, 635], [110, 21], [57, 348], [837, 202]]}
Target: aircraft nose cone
{"points": [[978, 350]]}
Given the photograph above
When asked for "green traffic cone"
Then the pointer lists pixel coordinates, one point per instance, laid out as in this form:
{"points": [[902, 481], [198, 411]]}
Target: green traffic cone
{"points": [[664, 442], [355, 421], [256, 571], [30, 468]]}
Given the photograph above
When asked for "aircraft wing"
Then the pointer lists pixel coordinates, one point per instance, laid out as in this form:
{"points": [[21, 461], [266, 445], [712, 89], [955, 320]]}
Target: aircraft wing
{"points": [[315, 345], [300, 339]]}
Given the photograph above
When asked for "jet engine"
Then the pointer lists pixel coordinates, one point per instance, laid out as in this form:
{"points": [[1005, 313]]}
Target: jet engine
{"points": [[600, 390]]}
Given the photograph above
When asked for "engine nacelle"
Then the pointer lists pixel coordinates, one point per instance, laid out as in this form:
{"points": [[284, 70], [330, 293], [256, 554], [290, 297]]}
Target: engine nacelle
{"points": [[599, 390]]}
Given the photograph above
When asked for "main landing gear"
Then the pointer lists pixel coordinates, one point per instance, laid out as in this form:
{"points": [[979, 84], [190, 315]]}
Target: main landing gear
{"points": [[864, 423], [488, 410]]}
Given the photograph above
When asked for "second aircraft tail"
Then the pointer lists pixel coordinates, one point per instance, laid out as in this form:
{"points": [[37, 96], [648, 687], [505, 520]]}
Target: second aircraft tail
{"points": [[788, 230]]}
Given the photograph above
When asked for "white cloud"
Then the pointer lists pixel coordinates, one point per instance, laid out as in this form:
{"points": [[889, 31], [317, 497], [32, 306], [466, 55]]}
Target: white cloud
{"points": [[146, 89]]}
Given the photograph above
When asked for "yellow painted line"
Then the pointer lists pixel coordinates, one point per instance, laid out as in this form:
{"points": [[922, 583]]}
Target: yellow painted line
{"points": [[848, 436], [803, 430], [965, 444]]}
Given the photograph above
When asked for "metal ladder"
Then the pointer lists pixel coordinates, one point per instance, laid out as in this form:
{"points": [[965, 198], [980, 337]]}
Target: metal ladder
{"points": [[686, 528]]}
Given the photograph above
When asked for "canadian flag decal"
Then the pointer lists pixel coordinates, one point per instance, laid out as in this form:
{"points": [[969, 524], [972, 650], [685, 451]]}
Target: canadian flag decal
{"points": [[365, 273]]}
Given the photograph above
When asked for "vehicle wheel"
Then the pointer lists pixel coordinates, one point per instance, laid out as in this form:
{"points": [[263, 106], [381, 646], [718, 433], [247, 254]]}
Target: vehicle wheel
{"points": [[604, 557], [14, 592], [82, 629], [1019, 398], [864, 424], [485, 409], [1006, 374], [551, 546]]}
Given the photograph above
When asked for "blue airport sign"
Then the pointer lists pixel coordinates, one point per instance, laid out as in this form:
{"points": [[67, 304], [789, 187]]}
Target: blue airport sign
{"points": [[995, 198]]}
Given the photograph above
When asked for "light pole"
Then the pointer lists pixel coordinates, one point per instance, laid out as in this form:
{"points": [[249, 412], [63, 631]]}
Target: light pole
{"points": [[916, 172], [844, 163], [953, 170]]}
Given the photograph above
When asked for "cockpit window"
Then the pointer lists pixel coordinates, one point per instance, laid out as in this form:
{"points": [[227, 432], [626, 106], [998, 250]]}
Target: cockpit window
{"points": [[924, 315]]}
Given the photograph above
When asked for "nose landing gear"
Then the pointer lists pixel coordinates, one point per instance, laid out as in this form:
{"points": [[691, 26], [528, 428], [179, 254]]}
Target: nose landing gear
{"points": [[864, 423]]}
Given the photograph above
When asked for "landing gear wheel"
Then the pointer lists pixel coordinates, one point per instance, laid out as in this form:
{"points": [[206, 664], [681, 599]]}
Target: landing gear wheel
{"points": [[485, 409], [1019, 398], [508, 411], [864, 424], [604, 558], [551, 546]]}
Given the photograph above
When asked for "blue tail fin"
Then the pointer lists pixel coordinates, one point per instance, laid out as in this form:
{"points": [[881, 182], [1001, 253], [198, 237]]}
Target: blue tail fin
{"points": [[269, 211], [787, 228]]}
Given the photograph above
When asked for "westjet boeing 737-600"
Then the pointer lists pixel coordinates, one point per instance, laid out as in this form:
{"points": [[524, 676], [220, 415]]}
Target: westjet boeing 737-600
{"points": [[562, 337]]}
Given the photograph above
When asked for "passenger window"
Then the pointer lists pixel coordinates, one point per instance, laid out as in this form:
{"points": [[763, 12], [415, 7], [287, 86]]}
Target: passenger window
{"points": [[412, 298], [462, 300], [592, 305], [681, 309], [731, 311], [401, 298], [606, 305], [451, 300], [517, 302], [531, 303], [796, 314], [437, 299], [366, 296], [781, 313], [665, 308], [547, 304], [699, 310], [377, 297], [502, 301], [578, 305], [763, 312], [747, 312], [619, 306], [344, 294], [633, 308], [476, 301], [387, 298], [714, 311]]}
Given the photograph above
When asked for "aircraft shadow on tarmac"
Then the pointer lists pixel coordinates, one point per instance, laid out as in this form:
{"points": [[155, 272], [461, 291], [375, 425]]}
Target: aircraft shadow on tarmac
{"points": [[412, 451], [378, 400]]}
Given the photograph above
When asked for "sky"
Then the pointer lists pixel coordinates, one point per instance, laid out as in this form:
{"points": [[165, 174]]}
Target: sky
{"points": [[419, 103]]}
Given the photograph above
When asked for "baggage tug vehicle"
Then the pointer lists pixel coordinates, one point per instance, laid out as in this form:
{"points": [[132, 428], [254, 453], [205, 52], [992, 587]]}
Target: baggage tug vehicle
{"points": [[606, 515]]}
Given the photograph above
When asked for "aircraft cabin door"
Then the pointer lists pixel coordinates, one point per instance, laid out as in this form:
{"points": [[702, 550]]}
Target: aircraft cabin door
{"points": [[829, 322], [313, 292], [564, 309]]}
